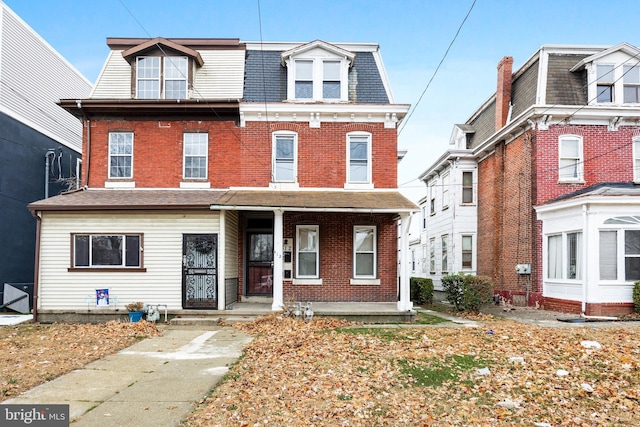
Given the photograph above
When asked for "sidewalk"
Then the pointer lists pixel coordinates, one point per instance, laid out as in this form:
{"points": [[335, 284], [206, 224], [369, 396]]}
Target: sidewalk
{"points": [[154, 382]]}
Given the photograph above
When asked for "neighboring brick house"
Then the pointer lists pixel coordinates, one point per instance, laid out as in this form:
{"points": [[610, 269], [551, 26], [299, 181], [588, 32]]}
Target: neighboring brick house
{"points": [[558, 152], [39, 141], [220, 171]]}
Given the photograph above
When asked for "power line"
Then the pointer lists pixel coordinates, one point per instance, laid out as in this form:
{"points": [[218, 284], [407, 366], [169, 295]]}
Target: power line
{"points": [[404, 122]]}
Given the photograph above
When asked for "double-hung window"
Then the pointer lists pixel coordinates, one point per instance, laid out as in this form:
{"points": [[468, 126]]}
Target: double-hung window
{"points": [[107, 251], [364, 251], [631, 83], [623, 242], [636, 159], [195, 155], [432, 255], [467, 187], [570, 165], [304, 79], [432, 198], [605, 82], [359, 158], [331, 80], [445, 191], [445, 254], [284, 157], [120, 154], [161, 77], [307, 252], [467, 252]]}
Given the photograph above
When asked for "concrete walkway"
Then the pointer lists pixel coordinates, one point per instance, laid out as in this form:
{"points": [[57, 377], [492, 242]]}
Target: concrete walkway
{"points": [[152, 383]]}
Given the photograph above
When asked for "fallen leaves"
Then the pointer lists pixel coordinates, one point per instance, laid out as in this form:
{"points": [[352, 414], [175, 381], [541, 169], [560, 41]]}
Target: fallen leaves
{"points": [[31, 354], [314, 374]]}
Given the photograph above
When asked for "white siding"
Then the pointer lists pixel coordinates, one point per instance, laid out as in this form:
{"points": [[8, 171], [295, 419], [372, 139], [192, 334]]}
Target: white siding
{"points": [[115, 79], [231, 245], [221, 76], [60, 289], [34, 77]]}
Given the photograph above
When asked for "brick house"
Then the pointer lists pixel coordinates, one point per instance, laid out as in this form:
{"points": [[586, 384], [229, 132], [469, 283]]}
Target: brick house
{"points": [[39, 141], [219, 171], [557, 149]]}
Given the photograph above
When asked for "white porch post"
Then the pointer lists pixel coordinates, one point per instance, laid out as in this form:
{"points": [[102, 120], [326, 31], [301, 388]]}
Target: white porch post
{"points": [[222, 297], [277, 261], [404, 304]]}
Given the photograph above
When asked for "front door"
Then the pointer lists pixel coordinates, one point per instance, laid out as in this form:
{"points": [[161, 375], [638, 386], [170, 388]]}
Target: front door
{"points": [[199, 271], [260, 264]]}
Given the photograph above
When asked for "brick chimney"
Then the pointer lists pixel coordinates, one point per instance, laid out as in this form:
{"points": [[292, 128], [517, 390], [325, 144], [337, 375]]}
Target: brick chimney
{"points": [[503, 92]]}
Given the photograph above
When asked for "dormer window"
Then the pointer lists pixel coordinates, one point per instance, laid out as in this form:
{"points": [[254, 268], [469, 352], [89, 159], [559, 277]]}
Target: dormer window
{"points": [[317, 71], [605, 82], [161, 77], [631, 83]]}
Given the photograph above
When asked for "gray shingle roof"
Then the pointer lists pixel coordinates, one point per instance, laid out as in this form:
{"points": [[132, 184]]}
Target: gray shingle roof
{"points": [[265, 79]]}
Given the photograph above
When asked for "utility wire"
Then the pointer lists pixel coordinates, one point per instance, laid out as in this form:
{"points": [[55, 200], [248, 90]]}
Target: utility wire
{"points": [[406, 120]]}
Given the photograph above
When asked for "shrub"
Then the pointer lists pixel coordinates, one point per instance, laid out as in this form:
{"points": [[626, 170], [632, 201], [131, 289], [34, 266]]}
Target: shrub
{"points": [[421, 290], [453, 286], [636, 296], [467, 292]]}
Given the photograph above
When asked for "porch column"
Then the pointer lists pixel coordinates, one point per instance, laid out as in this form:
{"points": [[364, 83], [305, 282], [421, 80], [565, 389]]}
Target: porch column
{"points": [[404, 303], [277, 261], [222, 305]]}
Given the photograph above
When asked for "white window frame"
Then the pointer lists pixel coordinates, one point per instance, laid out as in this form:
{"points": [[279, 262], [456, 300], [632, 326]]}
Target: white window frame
{"points": [[317, 77], [368, 181], [444, 253], [315, 228], [114, 154], [274, 158], [188, 140], [636, 159], [432, 255], [578, 162], [445, 190], [90, 253], [432, 198], [468, 252], [163, 64], [374, 251], [562, 257], [467, 189], [605, 79]]}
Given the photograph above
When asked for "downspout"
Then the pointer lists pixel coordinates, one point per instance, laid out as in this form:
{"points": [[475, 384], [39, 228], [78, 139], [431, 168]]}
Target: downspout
{"points": [[51, 153], [585, 228], [36, 269]]}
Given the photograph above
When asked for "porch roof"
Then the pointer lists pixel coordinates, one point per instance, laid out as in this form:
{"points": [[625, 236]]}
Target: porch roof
{"points": [[378, 201]]}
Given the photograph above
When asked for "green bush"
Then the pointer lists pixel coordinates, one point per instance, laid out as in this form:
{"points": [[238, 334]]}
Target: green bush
{"points": [[636, 296], [467, 292], [421, 290]]}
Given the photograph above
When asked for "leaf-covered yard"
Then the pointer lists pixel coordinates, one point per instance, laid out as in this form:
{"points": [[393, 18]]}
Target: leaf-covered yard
{"points": [[503, 373]]}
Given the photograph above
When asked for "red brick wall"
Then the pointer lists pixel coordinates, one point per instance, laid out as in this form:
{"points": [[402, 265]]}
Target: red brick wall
{"points": [[158, 151], [239, 156], [322, 153]]}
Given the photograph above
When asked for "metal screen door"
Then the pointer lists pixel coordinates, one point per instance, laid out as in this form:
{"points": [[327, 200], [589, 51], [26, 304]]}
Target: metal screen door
{"points": [[199, 271]]}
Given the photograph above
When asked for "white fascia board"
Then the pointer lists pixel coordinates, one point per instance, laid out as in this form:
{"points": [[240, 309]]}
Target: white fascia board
{"points": [[302, 209], [545, 210], [337, 112], [442, 161], [284, 46]]}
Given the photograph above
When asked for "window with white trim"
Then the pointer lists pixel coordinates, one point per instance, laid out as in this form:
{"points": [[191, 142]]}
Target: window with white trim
{"points": [[284, 159], [636, 159], [432, 198], [631, 84], [307, 252], [120, 154], [445, 191], [424, 217], [432, 255], [195, 155], [570, 164], [605, 82], [467, 252], [162, 77], [413, 260], [467, 187], [331, 80], [107, 251], [364, 251], [359, 158], [445, 253], [625, 242], [315, 78], [564, 256]]}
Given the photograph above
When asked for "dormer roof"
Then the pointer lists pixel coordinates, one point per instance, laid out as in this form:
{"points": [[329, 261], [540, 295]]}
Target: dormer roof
{"points": [[298, 50], [162, 44], [622, 47]]}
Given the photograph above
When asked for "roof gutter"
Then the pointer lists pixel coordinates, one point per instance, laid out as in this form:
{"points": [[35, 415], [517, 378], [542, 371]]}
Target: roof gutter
{"points": [[305, 209]]}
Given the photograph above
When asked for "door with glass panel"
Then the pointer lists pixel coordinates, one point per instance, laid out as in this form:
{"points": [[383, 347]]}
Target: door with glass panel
{"points": [[199, 271], [259, 264]]}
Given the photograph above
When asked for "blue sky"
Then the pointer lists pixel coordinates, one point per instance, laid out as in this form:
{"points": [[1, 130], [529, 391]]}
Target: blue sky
{"points": [[413, 36]]}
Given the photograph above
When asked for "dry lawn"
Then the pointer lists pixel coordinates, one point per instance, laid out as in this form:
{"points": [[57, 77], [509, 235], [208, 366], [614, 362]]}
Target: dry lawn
{"points": [[31, 354], [502, 374]]}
